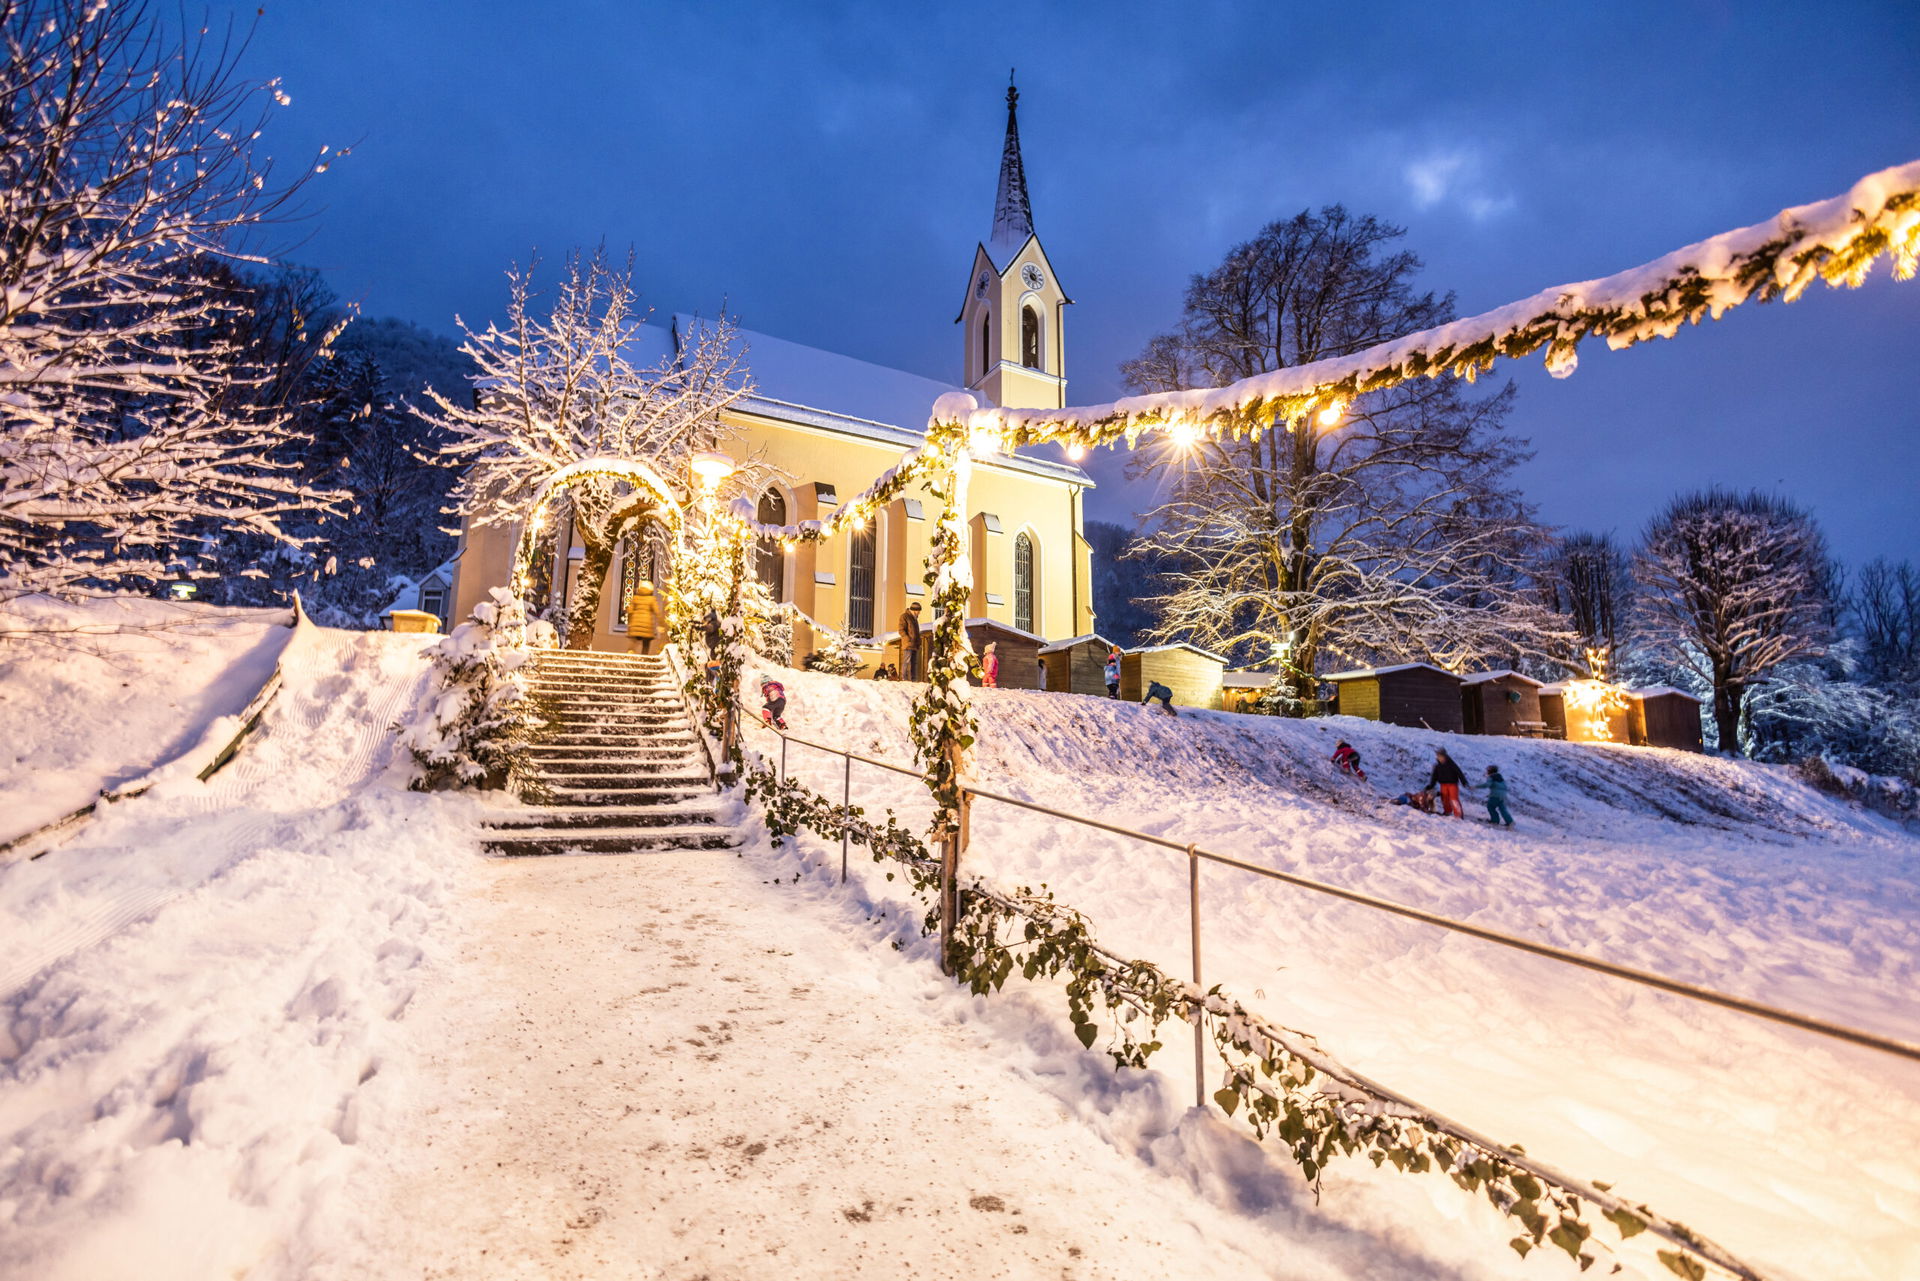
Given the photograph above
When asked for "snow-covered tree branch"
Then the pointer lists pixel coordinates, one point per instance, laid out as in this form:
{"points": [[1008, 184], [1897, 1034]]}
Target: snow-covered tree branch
{"points": [[1391, 531], [558, 388], [132, 422]]}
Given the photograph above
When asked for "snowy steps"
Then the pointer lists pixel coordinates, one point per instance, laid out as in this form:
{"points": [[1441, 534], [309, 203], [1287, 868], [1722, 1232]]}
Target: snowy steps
{"points": [[616, 769]]}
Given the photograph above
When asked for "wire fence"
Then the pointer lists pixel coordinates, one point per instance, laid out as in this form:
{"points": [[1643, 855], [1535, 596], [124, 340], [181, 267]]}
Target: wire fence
{"points": [[1197, 856]]}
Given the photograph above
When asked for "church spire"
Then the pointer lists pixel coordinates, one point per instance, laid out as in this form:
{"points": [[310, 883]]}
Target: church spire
{"points": [[1012, 215]]}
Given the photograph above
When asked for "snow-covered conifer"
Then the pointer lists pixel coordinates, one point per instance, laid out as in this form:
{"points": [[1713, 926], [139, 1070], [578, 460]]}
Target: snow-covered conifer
{"points": [[475, 727]]}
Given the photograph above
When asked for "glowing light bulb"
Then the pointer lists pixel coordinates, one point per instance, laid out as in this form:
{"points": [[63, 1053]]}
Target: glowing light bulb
{"points": [[1331, 415], [1185, 435], [1076, 451], [859, 522]]}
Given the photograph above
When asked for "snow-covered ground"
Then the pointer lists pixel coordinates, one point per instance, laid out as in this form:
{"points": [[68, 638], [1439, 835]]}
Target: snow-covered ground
{"points": [[288, 1023], [157, 673], [1793, 1151]]}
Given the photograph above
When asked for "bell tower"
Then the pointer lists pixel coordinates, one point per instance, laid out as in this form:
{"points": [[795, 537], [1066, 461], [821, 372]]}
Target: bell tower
{"points": [[1013, 319]]}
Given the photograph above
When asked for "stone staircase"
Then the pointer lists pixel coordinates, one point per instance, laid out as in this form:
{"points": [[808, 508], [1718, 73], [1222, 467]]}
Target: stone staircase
{"points": [[617, 764]]}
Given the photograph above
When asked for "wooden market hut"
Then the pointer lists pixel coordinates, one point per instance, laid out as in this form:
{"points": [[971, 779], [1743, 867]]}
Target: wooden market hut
{"points": [[1019, 651], [1192, 673], [1418, 695], [1502, 702], [1077, 665], [1664, 717], [1578, 729], [1240, 690]]}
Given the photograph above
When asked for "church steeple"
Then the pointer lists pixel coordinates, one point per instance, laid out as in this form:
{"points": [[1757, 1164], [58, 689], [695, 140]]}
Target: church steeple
{"points": [[1013, 319], [1012, 214]]}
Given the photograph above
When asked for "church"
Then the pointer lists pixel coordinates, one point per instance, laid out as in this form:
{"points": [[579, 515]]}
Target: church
{"points": [[829, 425]]}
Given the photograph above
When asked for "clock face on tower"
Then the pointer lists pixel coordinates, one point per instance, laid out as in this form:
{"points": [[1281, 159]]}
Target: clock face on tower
{"points": [[980, 286], [1030, 276]]}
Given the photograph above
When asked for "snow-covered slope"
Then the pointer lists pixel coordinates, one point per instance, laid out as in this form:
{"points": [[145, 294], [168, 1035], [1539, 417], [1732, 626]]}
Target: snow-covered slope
{"points": [[1791, 1150], [97, 694], [195, 989]]}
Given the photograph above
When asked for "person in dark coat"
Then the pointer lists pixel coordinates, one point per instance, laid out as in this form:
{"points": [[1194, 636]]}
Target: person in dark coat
{"points": [[710, 633], [1448, 777], [910, 642], [1156, 690], [1497, 811]]}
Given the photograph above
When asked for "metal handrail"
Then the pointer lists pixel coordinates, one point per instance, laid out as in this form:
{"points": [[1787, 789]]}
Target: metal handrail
{"points": [[1645, 978]]}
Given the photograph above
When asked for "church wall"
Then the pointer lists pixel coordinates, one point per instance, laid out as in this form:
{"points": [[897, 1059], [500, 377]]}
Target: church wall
{"points": [[1049, 510]]}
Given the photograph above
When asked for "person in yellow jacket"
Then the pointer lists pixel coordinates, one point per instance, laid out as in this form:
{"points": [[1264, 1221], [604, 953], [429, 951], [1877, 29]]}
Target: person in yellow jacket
{"points": [[643, 617]]}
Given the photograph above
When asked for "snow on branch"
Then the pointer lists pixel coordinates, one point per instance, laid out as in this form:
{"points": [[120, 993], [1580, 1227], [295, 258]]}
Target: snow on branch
{"points": [[1835, 240]]}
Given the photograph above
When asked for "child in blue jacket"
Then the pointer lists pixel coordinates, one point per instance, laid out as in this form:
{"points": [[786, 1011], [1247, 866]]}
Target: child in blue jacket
{"points": [[1497, 812]]}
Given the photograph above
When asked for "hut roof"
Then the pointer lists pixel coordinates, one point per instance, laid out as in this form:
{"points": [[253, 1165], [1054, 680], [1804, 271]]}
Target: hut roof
{"points": [[1248, 680], [1657, 691], [1071, 641], [1360, 673], [1163, 649], [1481, 678]]}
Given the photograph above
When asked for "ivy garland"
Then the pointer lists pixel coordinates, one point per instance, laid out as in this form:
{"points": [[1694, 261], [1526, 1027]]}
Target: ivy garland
{"points": [[1281, 1081]]}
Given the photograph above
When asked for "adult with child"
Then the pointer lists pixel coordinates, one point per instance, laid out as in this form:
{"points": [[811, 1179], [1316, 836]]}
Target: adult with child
{"points": [[1449, 779]]}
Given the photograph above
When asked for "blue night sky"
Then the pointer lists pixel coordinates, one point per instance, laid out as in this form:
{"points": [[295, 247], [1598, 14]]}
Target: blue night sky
{"points": [[827, 168]]}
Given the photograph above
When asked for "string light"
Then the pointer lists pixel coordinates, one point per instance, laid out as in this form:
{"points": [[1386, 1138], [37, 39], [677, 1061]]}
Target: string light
{"points": [[1185, 435], [1331, 415], [1076, 451]]}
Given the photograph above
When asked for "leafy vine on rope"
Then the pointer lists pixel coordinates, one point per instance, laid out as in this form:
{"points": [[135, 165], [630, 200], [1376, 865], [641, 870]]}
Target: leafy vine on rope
{"points": [[1284, 1085]]}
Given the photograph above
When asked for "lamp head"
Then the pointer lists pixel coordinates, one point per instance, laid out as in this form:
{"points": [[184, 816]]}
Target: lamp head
{"points": [[712, 468]]}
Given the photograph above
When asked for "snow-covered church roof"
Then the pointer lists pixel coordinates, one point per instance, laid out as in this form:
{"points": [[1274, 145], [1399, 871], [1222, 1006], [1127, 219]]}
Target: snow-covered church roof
{"points": [[800, 384]]}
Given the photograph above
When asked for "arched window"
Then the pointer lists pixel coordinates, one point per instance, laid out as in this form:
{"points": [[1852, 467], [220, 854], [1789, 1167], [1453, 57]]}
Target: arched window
{"points": [[768, 555], [1030, 338], [1023, 583], [862, 562], [986, 343]]}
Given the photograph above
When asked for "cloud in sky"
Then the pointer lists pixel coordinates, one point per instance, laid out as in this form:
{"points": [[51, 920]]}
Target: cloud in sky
{"points": [[1456, 178]]}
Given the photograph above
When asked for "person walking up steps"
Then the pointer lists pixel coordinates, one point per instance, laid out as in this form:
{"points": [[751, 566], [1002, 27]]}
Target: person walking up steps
{"points": [[1497, 812], [1449, 779], [1113, 671]]}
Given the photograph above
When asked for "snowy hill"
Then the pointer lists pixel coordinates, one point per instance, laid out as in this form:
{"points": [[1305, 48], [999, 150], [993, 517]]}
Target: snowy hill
{"points": [[1724, 873]]}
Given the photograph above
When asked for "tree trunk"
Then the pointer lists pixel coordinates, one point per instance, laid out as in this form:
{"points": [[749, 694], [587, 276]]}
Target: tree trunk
{"points": [[1726, 711], [584, 609]]}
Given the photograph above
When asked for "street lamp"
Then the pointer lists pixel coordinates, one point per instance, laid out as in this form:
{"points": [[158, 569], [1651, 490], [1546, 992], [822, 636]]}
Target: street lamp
{"points": [[711, 468]]}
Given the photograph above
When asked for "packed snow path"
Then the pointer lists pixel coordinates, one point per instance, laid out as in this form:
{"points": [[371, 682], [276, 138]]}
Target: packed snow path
{"points": [[667, 1066]]}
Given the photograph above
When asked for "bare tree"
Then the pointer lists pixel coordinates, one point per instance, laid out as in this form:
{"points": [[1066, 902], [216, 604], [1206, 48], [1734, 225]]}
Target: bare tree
{"points": [[561, 388], [1391, 532], [1731, 587], [1588, 582], [130, 419], [1886, 608]]}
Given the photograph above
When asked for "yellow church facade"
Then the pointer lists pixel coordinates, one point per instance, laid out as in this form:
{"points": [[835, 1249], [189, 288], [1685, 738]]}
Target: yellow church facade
{"points": [[826, 426]]}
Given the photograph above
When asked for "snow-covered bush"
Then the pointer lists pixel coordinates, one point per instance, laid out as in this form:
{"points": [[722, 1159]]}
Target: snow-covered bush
{"points": [[1895, 796], [835, 657], [474, 730]]}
